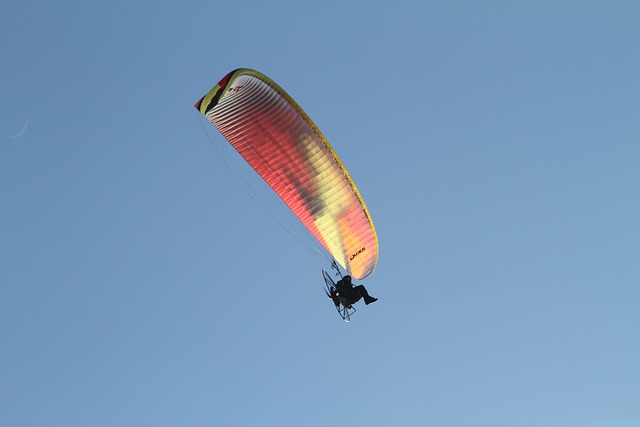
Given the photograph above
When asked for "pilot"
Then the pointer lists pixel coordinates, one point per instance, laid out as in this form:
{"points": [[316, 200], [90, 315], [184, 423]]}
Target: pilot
{"points": [[351, 293]]}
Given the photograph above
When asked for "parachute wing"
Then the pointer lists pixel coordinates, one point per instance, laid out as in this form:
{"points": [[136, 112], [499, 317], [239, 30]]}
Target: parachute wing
{"points": [[276, 137]]}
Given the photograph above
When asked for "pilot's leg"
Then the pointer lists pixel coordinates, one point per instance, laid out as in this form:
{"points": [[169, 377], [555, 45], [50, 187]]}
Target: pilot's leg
{"points": [[368, 299]]}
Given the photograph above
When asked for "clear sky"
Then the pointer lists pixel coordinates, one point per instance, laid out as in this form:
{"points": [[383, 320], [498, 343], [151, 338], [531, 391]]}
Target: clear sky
{"points": [[496, 143]]}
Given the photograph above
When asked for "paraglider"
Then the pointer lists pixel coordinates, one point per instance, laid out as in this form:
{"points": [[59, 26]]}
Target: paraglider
{"points": [[281, 143], [345, 294]]}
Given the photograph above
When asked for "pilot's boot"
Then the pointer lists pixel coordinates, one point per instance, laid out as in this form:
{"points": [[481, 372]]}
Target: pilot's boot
{"points": [[369, 299]]}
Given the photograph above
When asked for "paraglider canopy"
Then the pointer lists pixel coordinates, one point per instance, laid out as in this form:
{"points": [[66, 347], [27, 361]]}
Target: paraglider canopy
{"points": [[281, 143]]}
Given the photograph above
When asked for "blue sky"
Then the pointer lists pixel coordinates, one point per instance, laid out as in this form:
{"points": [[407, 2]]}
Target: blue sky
{"points": [[497, 145]]}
